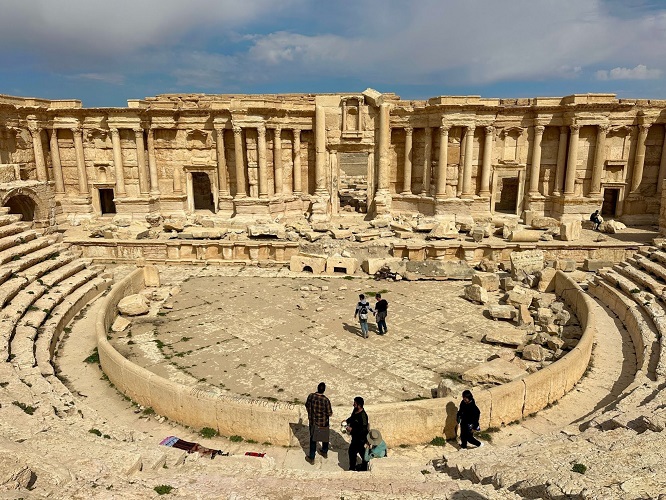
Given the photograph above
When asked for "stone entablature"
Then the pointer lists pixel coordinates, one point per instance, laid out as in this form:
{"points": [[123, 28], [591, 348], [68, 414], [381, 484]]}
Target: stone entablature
{"points": [[285, 154]]}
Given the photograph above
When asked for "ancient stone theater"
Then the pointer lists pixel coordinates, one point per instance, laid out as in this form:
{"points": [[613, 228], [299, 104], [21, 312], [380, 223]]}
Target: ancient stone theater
{"points": [[177, 275]]}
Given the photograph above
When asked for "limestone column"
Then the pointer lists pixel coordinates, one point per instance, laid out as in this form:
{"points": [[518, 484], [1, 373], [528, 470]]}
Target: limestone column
{"points": [[37, 147], [277, 160], [407, 175], [487, 160], [80, 161], [240, 164], [297, 161], [152, 164], [57, 165], [144, 188], [572, 160], [561, 161], [442, 163], [662, 165], [467, 189], [320, 148], [384, 143], [535, 172], [221, 163], [639, 159], [118, 163], [599, 158], [261, 160], [427, 162]]}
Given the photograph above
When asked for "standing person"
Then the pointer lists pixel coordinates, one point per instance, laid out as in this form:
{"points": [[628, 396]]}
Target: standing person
{"points": [[357, 427], [381, 308], [362, 310], [319, 410], [468, 420]]}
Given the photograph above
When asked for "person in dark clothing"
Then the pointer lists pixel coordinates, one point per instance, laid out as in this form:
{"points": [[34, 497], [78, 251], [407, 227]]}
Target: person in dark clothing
{"points": [[381, 310], [357, 427], [468, 420], [597, 219], [319, 410]]}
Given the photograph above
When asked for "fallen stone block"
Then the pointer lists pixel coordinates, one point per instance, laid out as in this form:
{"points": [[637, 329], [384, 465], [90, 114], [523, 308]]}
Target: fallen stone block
{"points": [[546, 280], [611, 226], [443, 230], [338, 264], [525, 235], [520, 296], [570, 231], [367, 236], [497, 371], [524, 316], [540, 222], [526, 262], [501, 311], [489, 281], [476, 293], [566, 265], [371, 266], [266, 231], [508, 336], [535, 352], [341, 234], [120, 324], [593, 265], [133, 305], [151, 276]]}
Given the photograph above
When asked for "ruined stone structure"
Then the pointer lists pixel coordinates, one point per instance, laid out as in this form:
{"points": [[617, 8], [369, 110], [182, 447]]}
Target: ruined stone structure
{"points": [[320, 155]]}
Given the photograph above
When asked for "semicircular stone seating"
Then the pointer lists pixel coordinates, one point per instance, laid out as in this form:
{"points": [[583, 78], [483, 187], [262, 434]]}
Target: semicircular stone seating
{"points": [[621, 442]]}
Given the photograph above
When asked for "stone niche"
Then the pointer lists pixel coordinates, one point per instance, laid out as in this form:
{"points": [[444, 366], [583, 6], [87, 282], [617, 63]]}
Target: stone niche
{"points": [[201, 187]]}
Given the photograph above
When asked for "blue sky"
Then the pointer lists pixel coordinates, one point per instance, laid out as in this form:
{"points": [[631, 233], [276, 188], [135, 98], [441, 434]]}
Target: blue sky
{"points": [[106, 52]]}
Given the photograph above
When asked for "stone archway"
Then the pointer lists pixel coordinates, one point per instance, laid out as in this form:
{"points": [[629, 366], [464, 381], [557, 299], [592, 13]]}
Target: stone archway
{"points": [[25, 203]]}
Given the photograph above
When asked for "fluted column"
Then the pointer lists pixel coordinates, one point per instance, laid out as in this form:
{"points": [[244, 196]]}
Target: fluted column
{"points": [[639, 159], [240, 164], [572, 161], [599, 158], [442, 163], [297, 161], [144, 188], [118, 163], [57, 165], [221, 163], [467, 190], [662, 165], [384, 143], [38, 149], [535, 172], [427, 162], [277, 160], [407, 174], [261, 160], [152, 164], [487, 160], [320, 148], [80, 161], [561, 161]]}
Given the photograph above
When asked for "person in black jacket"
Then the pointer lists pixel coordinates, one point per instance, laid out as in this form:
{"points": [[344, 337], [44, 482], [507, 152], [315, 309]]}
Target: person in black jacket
{"points": [[357, 427], [468, 420]]}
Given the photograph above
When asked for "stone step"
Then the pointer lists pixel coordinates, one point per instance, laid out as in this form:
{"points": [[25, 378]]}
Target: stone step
{"points": [[47, 268], [7, 218], [651, 267], [643, 332], [641, 279], [15, 228], [50, 251], [16, 239], [20, 251], [49, 334]]}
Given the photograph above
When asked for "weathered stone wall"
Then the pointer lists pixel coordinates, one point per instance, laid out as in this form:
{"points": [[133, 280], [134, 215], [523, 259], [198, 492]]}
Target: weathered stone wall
{"points": [[401, 423], [446, 154]]}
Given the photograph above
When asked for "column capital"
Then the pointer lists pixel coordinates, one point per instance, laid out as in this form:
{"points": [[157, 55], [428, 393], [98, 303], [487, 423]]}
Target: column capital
{"points": [[489, 129], [138, 130], [470, 127], [76, 129], [114, 131], [237, 129], [575, 128], [278, 129], [644, 127], [409, 130], [539, 129], [604, 127], [261, 130], [444, 129], [34, 129]]}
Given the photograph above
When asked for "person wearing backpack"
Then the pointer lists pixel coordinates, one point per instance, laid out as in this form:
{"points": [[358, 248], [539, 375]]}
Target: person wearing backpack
{"points": [[363, 309]]}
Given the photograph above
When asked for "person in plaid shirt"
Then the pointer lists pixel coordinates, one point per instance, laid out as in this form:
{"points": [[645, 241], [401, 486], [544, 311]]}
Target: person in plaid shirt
{"points": [[319, 410]]}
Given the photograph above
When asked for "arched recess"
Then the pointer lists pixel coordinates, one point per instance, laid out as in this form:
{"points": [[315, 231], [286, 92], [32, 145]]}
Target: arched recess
{"points": [[25, 203]]}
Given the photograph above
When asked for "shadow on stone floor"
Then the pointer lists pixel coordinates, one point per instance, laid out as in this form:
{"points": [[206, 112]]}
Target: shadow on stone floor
{"points": [[337, 443]]}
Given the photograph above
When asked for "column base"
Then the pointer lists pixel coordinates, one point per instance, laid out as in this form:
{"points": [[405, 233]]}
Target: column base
{"points": [[225, 206], [382, 203]]}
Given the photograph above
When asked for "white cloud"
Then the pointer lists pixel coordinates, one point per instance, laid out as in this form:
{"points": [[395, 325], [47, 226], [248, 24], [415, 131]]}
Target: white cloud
{"points": [[112, 78], [640, 72]]}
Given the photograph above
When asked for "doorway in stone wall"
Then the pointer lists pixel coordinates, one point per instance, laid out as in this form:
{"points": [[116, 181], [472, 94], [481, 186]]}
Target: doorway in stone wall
{"points": [[22, 205], [609, 207], [202, 192], [353, 182], [106, 203], [507, 198]]}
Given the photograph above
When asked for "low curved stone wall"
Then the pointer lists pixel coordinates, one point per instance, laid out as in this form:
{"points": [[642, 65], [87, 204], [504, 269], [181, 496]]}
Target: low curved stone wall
{"points": [[401, 423]]}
